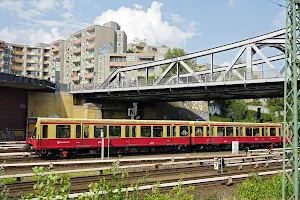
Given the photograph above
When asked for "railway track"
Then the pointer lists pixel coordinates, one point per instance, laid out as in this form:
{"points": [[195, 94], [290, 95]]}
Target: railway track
{"points": [[80, 184]]}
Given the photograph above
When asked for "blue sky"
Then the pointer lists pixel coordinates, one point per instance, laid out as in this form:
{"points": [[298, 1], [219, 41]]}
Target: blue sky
{"points": [[191, 24]]}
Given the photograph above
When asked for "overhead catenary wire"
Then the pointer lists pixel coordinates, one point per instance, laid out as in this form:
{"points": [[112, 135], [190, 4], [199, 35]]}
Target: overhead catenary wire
{"points": [[278, 4]]}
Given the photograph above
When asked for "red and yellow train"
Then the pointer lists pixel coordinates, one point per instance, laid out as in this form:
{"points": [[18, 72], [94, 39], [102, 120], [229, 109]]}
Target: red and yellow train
{"points": [[69, 137]]}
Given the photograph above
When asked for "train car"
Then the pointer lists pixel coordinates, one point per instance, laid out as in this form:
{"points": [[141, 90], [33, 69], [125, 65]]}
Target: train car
{"points": [[210, 135], [70, 137]]}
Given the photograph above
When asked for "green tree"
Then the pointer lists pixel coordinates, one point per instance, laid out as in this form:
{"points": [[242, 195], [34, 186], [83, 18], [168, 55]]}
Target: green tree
{"points": [[176, 52], [237, 109], [130, 51], [276, 107]]}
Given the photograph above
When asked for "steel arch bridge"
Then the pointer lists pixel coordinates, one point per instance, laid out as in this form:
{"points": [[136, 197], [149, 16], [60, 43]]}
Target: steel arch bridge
{"points": [[237, 80]]}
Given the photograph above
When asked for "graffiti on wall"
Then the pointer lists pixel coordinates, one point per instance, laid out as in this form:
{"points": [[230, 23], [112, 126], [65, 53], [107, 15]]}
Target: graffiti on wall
{"points": [[12, 135], [106, 48], [214, 108]]}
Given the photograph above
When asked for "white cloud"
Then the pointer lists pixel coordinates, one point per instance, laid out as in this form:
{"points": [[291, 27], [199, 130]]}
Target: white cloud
{"points": [[67, 4], [29, 36], [137, 6], [176, 18], [147, 24], [231, 3], [279, 20], [11, 4], [67, 15], [45, 5]]}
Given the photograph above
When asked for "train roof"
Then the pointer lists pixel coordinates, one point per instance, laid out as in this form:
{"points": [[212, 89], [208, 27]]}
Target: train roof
{"points": [[43, 119]]}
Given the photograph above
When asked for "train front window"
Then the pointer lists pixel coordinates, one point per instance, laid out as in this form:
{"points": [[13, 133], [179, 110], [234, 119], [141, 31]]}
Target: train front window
{"points": [[33, 133]]}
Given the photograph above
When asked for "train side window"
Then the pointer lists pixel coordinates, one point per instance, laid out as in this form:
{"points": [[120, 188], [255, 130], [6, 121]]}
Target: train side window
{"points": [[63, 131], [45, 131], [97, 131], [78, 131], [145, 131], [248, 131], [174, 131], [86, 131], [157, 131], [184, 131], [221, 131], [115, 131], [229, 131], [263, 131], [199, 131], [133, 134], [168, 131], [272, 132], [255, 131], [127, 131]]}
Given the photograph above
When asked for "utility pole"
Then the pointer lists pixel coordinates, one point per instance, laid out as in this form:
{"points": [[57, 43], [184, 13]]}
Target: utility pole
{"points": [[291, 95]]}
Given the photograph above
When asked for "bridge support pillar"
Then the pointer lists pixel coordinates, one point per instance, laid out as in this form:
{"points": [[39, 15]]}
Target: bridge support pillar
{"points": [[211, 67]]}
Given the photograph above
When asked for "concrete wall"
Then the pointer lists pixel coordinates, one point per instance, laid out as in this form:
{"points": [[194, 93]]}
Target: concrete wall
{"points": [[60, 105]]}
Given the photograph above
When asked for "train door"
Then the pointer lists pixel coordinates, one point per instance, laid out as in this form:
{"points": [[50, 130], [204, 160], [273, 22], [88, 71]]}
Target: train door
{"points": [[44, 135], [130, 134], [86, 134], [78, 134]]}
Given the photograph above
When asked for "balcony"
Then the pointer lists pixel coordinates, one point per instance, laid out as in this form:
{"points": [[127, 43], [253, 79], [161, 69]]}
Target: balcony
{"points": [[76, 69], [77, 41], [17, 68], [1, 57], [89, 65], [1, 65], [90, 56], [1, 47], [46, 61], [16, 52], [46, 77], [77, 50], [118, 64], [47, 54], [36, 69], [90, 46], [89, 75], [46, 70], [75, 78], [33, 53], [90, 37], [32, 61], [76, 59], [18, 60], [55, 49]]}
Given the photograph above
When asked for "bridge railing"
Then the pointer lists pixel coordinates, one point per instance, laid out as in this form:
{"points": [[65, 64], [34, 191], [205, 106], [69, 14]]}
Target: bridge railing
{"points": [[173, 80]]}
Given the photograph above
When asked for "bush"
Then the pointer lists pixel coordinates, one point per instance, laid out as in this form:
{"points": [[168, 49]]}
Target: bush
{"points": [[254, 188], [51, 186]]}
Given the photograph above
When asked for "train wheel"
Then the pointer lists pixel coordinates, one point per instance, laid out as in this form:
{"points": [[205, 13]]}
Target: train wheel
{"points": [[63, 154]]}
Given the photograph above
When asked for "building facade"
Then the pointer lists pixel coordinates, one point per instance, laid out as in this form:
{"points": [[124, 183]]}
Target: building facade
{"points": [[84, 48], [30, 61]]}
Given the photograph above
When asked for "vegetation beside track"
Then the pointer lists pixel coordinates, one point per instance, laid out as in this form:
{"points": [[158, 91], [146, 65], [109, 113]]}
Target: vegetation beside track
{"points": [[51, 186]]}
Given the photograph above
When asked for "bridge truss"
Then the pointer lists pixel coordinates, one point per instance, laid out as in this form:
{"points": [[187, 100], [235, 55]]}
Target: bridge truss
{"points": [[126, 78]]}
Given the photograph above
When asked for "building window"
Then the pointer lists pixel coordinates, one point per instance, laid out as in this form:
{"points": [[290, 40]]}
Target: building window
{"points": [[119, 44], [119, 35]]}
